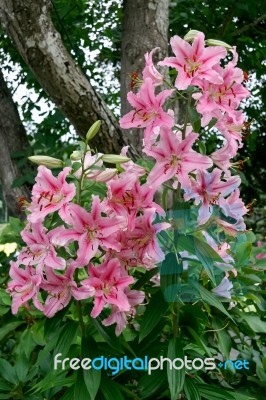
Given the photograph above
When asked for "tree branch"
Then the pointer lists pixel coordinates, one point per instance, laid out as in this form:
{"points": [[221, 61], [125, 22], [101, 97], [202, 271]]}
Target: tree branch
{"points": [[251, 25], [12, 138], [29, 25]]}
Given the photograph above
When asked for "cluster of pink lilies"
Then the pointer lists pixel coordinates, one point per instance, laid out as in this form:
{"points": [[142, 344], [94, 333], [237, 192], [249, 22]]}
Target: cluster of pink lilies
{"points": [[104, 245]]}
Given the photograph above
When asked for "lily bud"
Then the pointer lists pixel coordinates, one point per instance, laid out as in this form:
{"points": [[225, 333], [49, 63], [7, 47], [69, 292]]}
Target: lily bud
{"points": [[114, 159], [94, 129], [190, 36], [106, 175], [49, 162], [76, 155], [214, 42]]}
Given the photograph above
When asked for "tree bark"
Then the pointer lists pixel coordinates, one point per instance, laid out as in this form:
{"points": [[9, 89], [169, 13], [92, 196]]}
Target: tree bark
{"points": [[29, 25], [145, 26], [12, 138]]}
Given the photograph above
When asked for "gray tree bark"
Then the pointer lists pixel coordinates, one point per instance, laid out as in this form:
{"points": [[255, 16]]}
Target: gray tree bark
{"points": [[29, 25], [12, 138], [145, 26]]}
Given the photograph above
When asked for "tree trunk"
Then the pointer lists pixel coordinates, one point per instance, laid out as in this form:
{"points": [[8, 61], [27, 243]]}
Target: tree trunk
{"points": [[12, 138], [145, 26], [28, 24]]}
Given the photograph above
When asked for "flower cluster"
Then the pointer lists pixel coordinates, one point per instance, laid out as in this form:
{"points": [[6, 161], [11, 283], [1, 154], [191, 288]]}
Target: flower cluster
{"points": [[215, 85], [102, 245], [91, 249]]}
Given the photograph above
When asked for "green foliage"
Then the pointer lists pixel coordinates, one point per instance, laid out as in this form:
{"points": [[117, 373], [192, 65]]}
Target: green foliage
{"points": [[29, 345]]}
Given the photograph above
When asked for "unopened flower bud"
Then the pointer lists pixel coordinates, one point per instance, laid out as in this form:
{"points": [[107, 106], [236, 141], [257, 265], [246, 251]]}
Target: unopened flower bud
{"points": [[114, 159], [214, 42], [190, 36], [49, 162], [94, 129], [106, 175], [76, 155]]}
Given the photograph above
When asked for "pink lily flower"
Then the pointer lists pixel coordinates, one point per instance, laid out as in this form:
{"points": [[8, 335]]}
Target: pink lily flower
{"points": [[230, 229], [50, 194], [109, 282], [24, 286], [148, 111], [233, 206], [39, 250], [207, 189], [232, 127], [131, 167], [60, 290], [221, 250], [222, 156], [118, 317], [126, 197], [194, 62], [91, 230], [150, 71], [174, 158], [223, 289], [140, 246], [226, 96]]}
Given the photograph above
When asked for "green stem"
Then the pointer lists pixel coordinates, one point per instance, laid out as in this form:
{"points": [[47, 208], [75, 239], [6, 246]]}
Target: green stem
{"points": [[176, 308], [186, 117], [80, 316], [78, 305]]}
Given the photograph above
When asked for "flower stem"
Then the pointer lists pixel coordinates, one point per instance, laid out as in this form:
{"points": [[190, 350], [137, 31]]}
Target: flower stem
{"points": [[186, 117], [80, 316], [176, 308]]}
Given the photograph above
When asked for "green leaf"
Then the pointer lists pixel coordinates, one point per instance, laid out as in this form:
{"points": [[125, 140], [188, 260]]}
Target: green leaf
{"points": [[76, 166], [69, 395], [53, 324], [22, 367], [199, 341], [240, 396], [5, 298], [109, 338], [212, 123], [92, 377], [5, 386], [80, 390], [260, 263], [194, 118], [110, 389], [10, 327], [66, 338], [206, 255], [242, 254], [8, 372], [155, 311], [27, 344], [210, 392], [145, 278], [224, 339], [191, 389], [210, 299], [175, 377], [202, 147], [149, 385], [55, 378], [170, 271], [6, 396], [255, 323]]}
